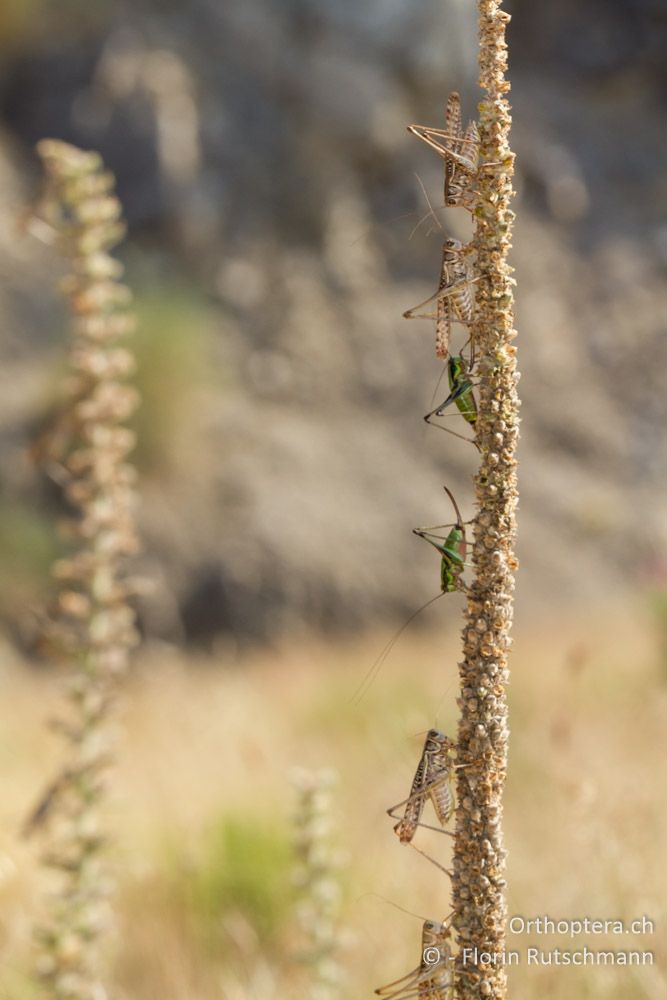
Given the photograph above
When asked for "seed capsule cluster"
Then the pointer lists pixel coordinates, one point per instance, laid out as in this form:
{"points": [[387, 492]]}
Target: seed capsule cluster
{"points": [[94, 624], [478, 167]]}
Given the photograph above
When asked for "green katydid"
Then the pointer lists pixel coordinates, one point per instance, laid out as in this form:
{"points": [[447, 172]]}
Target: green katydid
{"points": [[461, 394], [452, 549]]}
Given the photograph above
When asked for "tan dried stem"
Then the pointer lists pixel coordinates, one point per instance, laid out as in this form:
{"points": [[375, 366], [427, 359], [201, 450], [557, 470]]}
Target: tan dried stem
{"points": [[317, 881], [86, 452], [479, 854]]}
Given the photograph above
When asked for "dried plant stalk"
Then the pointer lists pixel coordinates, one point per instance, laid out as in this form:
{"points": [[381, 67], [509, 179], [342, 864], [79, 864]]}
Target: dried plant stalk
{"points": [[94, 625], [317, 880], [479, 855]]}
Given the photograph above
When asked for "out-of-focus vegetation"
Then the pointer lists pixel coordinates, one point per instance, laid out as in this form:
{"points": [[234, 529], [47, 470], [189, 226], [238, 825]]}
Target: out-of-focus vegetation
{"points": [[203, 807], [241, 870], [270, 188], [28, 546], [275, 240], [172, 345]]}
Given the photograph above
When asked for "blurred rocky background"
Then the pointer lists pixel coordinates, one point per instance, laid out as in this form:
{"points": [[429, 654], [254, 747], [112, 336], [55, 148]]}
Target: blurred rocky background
{"points": [[279, 226]]}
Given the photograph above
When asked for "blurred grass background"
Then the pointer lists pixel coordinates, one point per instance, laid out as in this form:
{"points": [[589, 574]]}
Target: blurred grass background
{"points": [[271, 193], [202, 807]]}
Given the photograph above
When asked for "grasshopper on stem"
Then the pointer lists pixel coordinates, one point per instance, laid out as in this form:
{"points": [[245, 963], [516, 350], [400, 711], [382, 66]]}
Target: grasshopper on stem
{"points": [[460, 151], [452, 549], [433, 978], [461, 394], [453, 297], [432, 780]]}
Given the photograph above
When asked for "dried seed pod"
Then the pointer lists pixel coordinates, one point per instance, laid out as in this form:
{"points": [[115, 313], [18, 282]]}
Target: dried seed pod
{"points": [[79, 202], [484, 670]]}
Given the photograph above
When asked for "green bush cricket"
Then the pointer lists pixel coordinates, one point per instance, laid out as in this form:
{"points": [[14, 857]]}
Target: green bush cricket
{"points": [[461, 394], [452, 549]]}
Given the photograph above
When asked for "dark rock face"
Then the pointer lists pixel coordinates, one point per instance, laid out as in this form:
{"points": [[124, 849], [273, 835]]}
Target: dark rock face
{"points": [[261, 155]]}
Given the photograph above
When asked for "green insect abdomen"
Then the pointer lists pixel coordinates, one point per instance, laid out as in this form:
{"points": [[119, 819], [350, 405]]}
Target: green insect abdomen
{"points": [[461, 389], [467, 405], [453, 560]]}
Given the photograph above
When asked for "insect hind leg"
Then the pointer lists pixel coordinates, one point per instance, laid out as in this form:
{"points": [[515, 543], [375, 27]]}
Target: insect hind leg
{"points": [[448, 430], [432, 860]]}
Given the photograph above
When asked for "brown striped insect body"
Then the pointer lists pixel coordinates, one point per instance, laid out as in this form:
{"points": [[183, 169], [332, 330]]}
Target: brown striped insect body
{"points": [[414, 805], [456, 280], [440, 785], [432, 780], [432, 979], [461, 164], [453, 297], [438, 976], [460, 151]]}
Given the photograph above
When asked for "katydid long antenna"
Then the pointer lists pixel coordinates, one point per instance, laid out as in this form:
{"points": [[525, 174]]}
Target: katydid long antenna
{"points": [[374, 669]]}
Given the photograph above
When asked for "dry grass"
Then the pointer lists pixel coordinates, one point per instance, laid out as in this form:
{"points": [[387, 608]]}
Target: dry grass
{"points": [[206, 763]]}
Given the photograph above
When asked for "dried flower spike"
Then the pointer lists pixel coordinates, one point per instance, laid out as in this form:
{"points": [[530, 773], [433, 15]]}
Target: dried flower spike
{"points": [[479, 855], [87, 450], [316, 879]]}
